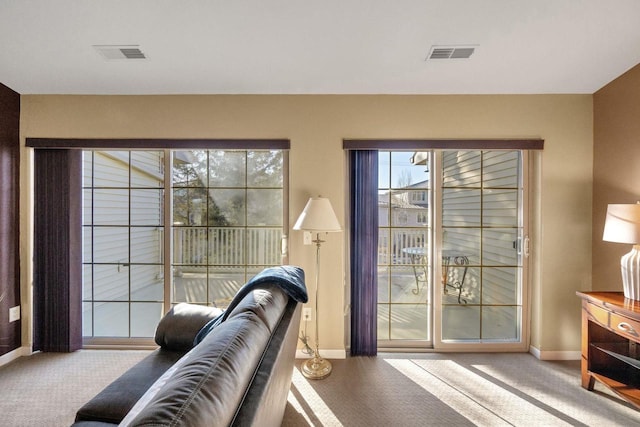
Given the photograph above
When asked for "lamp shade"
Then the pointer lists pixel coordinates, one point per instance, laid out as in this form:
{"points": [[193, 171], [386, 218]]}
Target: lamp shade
{"points": [[318, 216], [622, 224]]}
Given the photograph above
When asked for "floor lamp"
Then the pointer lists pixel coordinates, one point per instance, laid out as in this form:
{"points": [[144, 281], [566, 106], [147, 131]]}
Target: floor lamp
{"points": [[317, 217]]}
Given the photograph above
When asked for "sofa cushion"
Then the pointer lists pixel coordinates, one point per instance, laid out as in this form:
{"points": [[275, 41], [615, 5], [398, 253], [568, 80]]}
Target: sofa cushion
{"points": [[178, 328], [114, 402]]}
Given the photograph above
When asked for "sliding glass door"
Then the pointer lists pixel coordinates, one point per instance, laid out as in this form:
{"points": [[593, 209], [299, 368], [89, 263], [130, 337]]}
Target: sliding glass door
{"points": [[163, 227], [452, 238]]}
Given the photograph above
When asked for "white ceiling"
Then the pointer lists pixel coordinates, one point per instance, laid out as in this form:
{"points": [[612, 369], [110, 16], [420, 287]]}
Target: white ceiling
{"points": [[317, 47]]}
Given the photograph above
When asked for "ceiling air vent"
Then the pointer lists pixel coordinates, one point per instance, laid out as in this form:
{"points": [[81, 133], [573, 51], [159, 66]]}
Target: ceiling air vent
{"points": [[116, 52], [451, 52]]}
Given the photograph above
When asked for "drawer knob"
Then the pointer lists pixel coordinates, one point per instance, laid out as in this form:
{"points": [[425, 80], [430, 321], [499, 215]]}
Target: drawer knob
{"points": [[625, 327]]}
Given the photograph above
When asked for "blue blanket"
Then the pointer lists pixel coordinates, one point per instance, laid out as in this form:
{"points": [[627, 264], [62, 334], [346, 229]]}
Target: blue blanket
{"points": [[289, 278]]}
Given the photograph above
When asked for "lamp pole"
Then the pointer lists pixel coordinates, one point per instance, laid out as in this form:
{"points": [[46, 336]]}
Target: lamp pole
{"points": [[317, 368]]}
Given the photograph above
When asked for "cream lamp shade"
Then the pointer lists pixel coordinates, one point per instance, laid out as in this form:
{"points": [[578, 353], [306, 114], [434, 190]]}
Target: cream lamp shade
{"points": [[622, 225], [318, 217]]}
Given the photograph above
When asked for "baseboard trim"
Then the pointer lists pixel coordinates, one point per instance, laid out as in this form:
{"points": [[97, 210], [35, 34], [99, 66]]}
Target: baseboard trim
{"points": [[541, 355], [327, 354], [13, 355], [555, 355]]}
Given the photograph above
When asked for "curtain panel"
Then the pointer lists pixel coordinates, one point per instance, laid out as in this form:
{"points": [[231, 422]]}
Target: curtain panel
{"points": [[57, 258], [363, 182]]}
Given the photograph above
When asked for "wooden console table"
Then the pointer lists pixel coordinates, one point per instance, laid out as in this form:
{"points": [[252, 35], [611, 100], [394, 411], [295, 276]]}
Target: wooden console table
{"points": [[611, 343]]}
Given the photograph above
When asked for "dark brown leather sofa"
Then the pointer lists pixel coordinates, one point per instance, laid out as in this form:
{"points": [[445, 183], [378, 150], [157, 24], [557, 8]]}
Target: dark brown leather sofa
{"points": [[238, 375]]}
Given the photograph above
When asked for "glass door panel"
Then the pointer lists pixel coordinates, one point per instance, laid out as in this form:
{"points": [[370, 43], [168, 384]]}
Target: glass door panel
{"points": [[481, 238], [123, 284], [228, 221], [404, 250]]}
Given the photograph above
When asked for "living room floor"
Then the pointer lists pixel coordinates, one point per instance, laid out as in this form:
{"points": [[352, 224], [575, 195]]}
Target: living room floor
{"points": [[487, 389]]}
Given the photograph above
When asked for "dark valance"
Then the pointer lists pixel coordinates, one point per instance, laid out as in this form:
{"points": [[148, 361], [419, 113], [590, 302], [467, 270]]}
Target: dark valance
{"points": [[445, 144], [159, 144]]}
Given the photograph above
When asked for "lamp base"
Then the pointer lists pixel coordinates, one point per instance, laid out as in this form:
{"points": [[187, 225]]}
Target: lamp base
{"points": [[630, 264], [316, 368]]}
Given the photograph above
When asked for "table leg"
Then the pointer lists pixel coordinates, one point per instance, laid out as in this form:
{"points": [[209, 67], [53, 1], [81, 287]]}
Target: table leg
{"points": [[457, 285], [415, 261]]}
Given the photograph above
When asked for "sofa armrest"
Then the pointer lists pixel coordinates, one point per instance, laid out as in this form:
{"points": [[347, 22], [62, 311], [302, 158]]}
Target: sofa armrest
{"points": [[178, 328]]}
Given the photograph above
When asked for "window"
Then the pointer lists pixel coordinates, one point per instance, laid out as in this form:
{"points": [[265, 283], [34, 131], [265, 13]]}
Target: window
{"points": [[162, 227], [419, 197], [227, 221]]}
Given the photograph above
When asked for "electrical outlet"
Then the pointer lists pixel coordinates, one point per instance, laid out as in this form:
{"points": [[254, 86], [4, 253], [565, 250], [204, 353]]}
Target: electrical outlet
{"points": [[14, 313], [307, 238], [307, 313]]}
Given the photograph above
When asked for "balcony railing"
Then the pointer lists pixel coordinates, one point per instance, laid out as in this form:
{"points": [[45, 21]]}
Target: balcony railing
{"points": [[395, 251], [226, 246]]}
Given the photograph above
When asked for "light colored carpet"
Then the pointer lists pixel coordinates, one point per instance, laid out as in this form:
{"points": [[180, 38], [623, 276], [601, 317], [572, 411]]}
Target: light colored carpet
{"points": [[437, 389], [389, 390], [46, 389]]}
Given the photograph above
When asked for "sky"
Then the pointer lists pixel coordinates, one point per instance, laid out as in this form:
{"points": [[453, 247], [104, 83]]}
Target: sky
{"points": [[401, 167]]}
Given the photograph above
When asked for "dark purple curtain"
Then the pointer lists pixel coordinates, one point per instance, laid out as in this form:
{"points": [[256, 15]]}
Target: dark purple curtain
{"points": [[57, 257], [363, 182], [10, 332]]}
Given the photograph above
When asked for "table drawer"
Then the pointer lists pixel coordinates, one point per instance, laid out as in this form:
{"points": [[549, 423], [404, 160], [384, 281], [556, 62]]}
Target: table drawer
{"points": [[617, 323]]}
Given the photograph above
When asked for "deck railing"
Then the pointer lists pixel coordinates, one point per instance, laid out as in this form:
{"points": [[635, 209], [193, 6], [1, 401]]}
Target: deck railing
{"points": [[227, 246], [393, 251]]}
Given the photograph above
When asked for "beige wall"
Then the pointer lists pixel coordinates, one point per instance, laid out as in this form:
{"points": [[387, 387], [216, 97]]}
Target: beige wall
{"points": [[616, 168], [316, 126]]}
